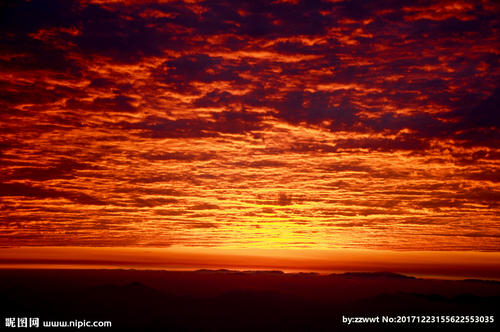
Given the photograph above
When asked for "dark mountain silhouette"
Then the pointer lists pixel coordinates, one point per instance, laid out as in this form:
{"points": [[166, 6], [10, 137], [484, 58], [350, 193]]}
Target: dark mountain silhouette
{"points": [[372, 275], [482, 281], [225, 271], [231, 300]]}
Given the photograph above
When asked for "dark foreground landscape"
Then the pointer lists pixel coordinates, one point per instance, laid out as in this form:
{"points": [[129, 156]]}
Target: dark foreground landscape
{"points": [[231, 300]]}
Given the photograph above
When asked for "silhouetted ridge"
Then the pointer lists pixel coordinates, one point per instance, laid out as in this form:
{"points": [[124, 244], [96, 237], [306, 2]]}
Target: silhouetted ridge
{"points": [[482, 281], [224, 300], [304, 274], [225, 271], [373, 275], [221, 271]]}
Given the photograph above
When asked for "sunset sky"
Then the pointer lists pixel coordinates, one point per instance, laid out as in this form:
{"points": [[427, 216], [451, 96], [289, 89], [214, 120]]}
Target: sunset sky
{"points": [[273, 125]]}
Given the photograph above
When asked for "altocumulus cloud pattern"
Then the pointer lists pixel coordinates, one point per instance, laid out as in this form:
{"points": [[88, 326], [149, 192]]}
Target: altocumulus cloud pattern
{"points": [[279, 124]]}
